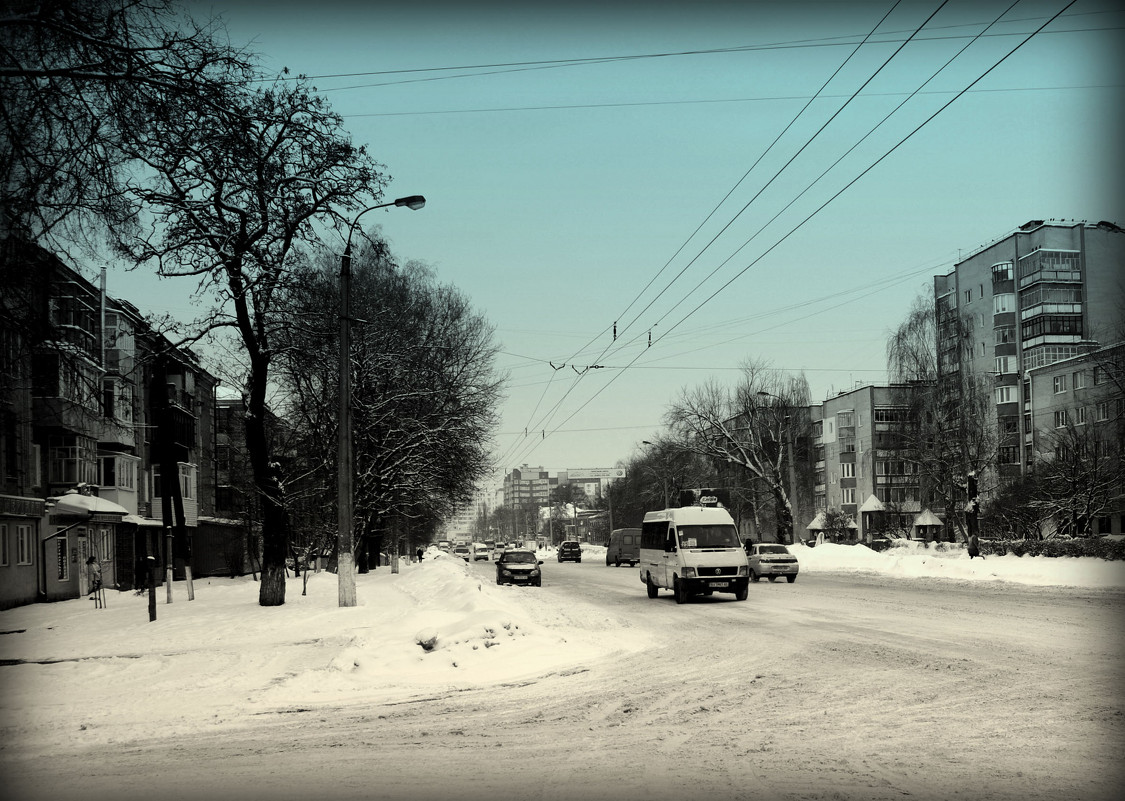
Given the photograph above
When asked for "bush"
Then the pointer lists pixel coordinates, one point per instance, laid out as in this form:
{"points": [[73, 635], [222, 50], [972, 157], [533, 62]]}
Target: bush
{"points": [[1099, 547]]}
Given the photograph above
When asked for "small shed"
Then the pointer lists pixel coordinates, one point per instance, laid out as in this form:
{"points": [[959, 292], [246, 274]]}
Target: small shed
{"points": [[927, 526]]}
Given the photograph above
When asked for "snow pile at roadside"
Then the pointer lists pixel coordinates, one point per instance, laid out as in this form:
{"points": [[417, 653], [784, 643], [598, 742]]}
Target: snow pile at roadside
{"points": [[924, 560], [221, 657]]}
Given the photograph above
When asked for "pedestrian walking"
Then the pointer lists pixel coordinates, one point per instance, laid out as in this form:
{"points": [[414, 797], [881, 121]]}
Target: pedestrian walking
{"points": [[420, 554], [974, 546], [94, 573]]}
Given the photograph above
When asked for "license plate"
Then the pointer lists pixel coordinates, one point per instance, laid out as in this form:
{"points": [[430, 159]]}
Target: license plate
{"points": [[718, 584]]}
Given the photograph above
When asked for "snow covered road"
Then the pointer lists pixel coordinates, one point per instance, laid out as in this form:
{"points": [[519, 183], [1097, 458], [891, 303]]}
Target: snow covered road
{"points": [[843, 685]]}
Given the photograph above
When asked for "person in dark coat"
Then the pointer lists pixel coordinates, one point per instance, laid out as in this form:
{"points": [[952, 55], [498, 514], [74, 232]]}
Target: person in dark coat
{"points": [[420, 554], [974, 546]]}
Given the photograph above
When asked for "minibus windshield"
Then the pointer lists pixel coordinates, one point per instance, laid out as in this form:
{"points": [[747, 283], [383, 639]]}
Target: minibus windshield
{"points": [[713, 536]]}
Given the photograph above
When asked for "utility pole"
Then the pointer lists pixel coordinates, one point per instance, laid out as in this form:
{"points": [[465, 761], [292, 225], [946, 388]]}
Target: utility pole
{"points": [[345, 503]]}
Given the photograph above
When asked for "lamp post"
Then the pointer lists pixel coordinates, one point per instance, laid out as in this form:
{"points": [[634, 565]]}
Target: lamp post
{"points": [[345, 539], [792, 466]]}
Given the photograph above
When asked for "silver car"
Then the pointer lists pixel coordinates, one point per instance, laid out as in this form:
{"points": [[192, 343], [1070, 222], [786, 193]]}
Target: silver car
{"points": [[771, 559]]}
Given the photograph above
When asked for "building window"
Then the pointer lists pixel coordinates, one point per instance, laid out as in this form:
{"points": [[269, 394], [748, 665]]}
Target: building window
{"points": [[1060, 418], [818, 478], [1008, 454], [1002, 271], [847, 470], [1005, 334], [847, 495], [63, 557], [1102, 411], [119, 472], [968, 296], [1101, 448], [1078, 380], [1059, 382], [1099, 375], [1002, 303], [4, 545], [25, 553], [187, 481], [1080, 416], [1005, 394], [72, 460]]}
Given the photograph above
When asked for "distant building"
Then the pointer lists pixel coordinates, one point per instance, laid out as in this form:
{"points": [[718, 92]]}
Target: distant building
{"points": [[1045, 293], [1079, 404], [862, 464]]}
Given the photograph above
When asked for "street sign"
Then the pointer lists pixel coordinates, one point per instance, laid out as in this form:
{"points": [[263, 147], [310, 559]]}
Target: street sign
{"points": [[580, 473]]}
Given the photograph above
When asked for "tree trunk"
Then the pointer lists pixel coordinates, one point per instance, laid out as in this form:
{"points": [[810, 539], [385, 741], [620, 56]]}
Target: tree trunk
{"points": [[275, 531]]}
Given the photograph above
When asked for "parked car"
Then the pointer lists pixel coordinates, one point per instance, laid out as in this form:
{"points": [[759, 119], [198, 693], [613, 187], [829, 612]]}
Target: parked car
{"points": [[624, 546], [570, 551], [771, 559], [480, 551], [519, 567], [463, 551]]}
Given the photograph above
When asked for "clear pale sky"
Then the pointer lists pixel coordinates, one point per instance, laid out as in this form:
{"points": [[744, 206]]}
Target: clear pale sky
{"points": [[569, 150]]}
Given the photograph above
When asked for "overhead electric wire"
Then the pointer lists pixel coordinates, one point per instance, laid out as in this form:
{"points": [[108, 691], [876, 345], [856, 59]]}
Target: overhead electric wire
{"points": [[826, 41], [546, 420], [830, 167], [831, 199]]}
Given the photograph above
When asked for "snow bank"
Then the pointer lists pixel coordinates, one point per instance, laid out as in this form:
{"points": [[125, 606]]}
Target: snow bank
{"points": [[924, 560]]}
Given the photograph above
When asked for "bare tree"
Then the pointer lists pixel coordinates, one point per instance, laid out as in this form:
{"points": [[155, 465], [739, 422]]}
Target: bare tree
{"points": [[949, 429], [232, 187], [73, 76], [424, 390], [1079, 475], [748, 425]]}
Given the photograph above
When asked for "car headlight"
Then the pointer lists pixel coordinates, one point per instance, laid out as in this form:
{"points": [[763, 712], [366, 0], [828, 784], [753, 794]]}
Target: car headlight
{"points": [[689, 572], [535, 572], [743, 571], [506, 572]]}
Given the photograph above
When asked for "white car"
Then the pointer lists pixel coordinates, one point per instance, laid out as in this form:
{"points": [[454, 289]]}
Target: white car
{"points": [[771, 559]]}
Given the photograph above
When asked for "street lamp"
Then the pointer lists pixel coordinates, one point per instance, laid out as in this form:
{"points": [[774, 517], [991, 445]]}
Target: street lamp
{"points": [[345, 539], [792, 465]]}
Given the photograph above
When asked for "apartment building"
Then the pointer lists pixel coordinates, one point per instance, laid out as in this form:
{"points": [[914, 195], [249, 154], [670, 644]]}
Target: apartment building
{"points": [[97, 410], [1047, 292], [863, 462], [529, 486], [1077, 412]]}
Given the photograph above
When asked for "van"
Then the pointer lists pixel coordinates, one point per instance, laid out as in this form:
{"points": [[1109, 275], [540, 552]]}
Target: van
{"points": [[624, 546], [694, 550]]}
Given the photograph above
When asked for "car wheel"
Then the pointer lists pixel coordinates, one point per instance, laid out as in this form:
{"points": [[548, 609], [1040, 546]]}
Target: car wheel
{"points": [[617, 562], [650, 587], [539, 582], [680, 590], [498, 581], [790, 579], [579, 561], [743, 593], [754, 576], [607, 561]]}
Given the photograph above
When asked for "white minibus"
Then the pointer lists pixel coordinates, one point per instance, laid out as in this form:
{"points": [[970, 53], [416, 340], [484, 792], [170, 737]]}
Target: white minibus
{"points": [[694, 550]]}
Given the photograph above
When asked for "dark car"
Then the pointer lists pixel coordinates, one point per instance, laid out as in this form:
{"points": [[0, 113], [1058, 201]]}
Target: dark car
{"points": [[570, 551], [519, 567]]}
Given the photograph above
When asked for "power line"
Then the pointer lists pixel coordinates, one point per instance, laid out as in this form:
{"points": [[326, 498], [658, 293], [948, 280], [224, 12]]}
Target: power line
{"points": [[831, 199], [762, 99]]}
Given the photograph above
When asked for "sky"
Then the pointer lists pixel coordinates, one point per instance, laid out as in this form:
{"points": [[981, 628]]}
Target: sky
{"points": [[697, 175], [246, 660]]}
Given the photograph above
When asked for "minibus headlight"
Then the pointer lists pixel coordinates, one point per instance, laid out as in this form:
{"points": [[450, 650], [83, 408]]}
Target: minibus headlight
{"points": [[689, 572], [743, 570]]}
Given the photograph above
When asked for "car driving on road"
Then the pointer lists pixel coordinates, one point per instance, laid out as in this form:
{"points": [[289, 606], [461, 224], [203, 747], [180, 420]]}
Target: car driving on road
{"points": [[463, 551], [771, 559], [519, 567], [570, 551]]}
